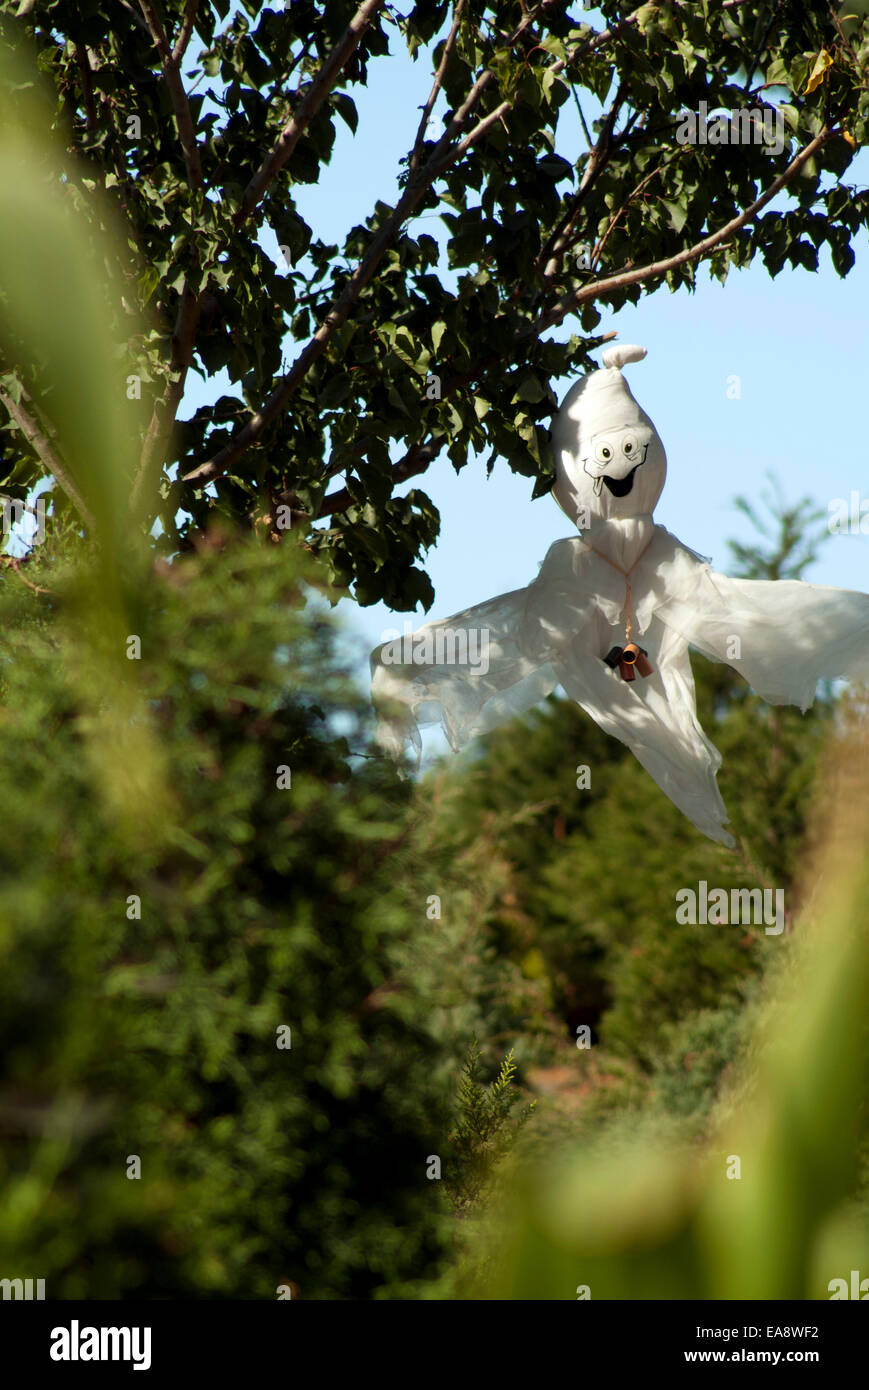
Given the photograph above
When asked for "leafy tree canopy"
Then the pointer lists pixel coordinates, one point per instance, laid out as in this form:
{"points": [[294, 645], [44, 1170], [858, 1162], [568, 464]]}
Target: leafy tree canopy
{"points": [[202, 121]]}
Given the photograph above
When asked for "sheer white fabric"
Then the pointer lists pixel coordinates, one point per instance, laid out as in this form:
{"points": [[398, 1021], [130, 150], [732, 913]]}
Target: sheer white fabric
{"points": [[481, 667]]}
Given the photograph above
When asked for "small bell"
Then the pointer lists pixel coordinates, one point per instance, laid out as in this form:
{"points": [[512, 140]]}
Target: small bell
{"points": [[629, 659]]}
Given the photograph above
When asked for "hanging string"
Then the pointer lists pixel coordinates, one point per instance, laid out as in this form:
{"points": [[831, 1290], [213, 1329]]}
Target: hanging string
{"points": [[626, 575]]}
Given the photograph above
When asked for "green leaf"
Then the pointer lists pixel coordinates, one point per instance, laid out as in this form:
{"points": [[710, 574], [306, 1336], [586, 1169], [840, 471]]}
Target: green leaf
{"points": [[404, 346], [336, 390], [647, 17], [346, 108], [148, 282], [678, 214], [530, 389], [12, 386]]}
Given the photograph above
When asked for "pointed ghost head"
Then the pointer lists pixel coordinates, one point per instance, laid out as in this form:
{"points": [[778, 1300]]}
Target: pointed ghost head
{"points": [[609, 459]]}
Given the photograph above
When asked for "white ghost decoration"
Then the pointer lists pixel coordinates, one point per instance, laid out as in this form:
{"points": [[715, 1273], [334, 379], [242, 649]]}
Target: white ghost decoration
{"points": [[611, 616]]}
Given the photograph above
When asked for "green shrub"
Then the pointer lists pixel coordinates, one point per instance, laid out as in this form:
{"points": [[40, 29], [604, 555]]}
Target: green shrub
{"points": [[261, 908]]}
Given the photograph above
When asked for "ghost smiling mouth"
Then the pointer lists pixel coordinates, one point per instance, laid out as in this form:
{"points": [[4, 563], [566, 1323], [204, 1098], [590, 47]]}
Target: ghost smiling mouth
{"points": [[615, 459], [619, 487]]}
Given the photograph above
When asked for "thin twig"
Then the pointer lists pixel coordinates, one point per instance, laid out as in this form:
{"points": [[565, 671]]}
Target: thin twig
{"points": [[599, 288], [300, 57], [585, 129], [752, 63], [599, 245], [308, 107], [436, 86], [84, 68], [550, 255], [12, 562], [134, 15]]}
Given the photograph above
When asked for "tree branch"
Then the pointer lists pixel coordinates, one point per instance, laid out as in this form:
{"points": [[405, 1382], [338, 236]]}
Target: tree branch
{"points": [[439, 160], [308, 107], [186, 31], [166, 407], [12, 562], [189, 306], [550, 255], [52, 462], [135, 16], [172, 73], [420, 456], [436, 86], [416, 460], [442, 157], [597, 249], [84, 68], [599, 288]]}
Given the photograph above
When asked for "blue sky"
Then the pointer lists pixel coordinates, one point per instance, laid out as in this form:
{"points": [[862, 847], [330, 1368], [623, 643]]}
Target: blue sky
{"points": [[797, 343]]}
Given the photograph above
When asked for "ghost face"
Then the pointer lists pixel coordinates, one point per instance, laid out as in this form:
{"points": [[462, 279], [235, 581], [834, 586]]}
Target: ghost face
{"points": [[610, 461], [614, 457]]}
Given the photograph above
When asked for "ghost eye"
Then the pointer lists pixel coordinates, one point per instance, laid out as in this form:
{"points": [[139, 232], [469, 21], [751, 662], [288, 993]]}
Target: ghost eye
{"points": [[604, 451], [629, 446]]}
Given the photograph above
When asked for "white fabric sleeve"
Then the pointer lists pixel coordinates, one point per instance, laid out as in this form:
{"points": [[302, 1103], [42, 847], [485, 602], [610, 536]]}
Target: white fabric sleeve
{"points": [[470, 673], [782, 636]]}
